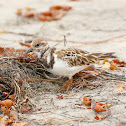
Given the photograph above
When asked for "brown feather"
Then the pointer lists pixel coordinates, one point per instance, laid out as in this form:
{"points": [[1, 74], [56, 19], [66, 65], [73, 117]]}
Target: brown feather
{"points": [[76, 57]]}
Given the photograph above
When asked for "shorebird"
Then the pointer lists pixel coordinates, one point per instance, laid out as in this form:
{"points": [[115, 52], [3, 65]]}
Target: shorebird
{"points": [[64, 62]]}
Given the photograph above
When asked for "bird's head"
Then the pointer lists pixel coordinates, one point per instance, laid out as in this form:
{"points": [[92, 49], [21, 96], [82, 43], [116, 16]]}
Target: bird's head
{"points": [[38, 46]]}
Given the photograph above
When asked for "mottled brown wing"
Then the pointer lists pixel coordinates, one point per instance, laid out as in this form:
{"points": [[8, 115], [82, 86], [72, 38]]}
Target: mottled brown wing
{"points": [[76, 57]]}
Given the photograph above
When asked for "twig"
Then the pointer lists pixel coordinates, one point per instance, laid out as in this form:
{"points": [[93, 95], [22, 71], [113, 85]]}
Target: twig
{"points": [[65, 41], [103, 30], [24, 34], [90, 42], [38, 79], [102, 41], [16, 86], [8, 94], [78, 119]]}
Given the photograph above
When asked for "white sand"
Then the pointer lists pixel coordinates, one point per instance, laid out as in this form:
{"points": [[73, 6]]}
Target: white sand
{"points": [[88, 21]]}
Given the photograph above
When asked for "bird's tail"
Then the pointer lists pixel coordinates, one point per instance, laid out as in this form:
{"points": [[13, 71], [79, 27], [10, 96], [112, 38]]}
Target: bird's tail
{"points": [[103, 56]]}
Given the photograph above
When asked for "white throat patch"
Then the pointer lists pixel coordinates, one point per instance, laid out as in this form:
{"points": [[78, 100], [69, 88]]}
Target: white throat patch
{"points": [[38, 54]]}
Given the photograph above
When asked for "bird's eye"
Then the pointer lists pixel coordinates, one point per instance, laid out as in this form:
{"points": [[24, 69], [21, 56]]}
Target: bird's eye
{"points": [[37, 45]]}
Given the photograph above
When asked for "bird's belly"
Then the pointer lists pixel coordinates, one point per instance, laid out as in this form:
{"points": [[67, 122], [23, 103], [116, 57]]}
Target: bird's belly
{"points": [[61, 68]]}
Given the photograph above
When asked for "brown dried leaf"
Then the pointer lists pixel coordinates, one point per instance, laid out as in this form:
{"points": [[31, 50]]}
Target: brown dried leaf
{"points": [[96, 117], [29, 15], [3, 121], [23, 44], [60, 97], [119, 62], [99, 108], [121, 86], [113, 66], [58, 7], [44, 18], [86, 101], [19, 12], [7, 103]]}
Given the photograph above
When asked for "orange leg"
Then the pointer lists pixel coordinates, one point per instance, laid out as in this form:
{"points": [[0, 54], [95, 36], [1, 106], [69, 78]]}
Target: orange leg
{"points": [[69, 82]]}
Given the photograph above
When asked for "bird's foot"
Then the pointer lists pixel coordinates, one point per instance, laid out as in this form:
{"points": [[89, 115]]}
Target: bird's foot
{"points": [[68, 84]]}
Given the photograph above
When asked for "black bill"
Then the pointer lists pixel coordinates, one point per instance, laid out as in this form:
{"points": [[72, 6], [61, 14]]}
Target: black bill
{"points": [[28, 51]]}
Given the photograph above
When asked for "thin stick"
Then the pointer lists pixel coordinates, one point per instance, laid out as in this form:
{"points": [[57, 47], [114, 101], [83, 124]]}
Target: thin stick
{"points": [[90, 43], [65, 41], [24, 34], [38, 79], [8, 94]]}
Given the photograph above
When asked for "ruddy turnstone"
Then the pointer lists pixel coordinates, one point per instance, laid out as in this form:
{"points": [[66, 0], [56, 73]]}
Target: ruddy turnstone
{"points": [[64, 62]]}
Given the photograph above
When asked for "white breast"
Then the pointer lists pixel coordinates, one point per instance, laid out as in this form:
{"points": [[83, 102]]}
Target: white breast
{"points": [[38, 54], [62, 68]]}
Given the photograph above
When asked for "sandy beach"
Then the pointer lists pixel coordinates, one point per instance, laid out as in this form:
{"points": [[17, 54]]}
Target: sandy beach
{"points": [[91, 25]]}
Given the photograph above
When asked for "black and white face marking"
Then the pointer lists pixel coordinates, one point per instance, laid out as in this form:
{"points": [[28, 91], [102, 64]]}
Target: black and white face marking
{"points": [[38, 46]]}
